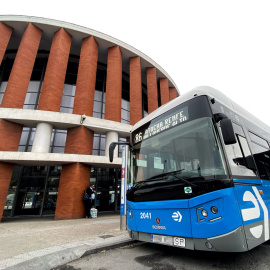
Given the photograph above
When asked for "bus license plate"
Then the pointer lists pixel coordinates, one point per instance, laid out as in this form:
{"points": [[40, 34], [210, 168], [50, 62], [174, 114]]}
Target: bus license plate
{"points": [[180, 242]]}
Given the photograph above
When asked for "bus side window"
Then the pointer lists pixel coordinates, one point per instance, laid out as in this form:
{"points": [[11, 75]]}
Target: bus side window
{"points": [[261, 153], [248, 159], [239, 156]]}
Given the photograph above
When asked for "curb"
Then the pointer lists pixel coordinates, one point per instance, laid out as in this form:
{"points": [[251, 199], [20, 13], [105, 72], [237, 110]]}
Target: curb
{"points": [[108, 247], [53, 259]]}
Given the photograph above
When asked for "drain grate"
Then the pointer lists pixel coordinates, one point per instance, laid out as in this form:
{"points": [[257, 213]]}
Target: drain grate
{"points": [[106, 236]]}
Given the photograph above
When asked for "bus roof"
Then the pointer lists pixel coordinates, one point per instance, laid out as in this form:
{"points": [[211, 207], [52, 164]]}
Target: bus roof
{"points": [[262, 128]]}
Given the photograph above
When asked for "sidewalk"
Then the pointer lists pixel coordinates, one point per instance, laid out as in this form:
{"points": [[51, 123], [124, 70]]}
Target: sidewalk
{"points": [[45, 243]]}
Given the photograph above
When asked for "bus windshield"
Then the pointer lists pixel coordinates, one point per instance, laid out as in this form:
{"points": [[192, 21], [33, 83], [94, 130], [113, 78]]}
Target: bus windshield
{"points": [[189, 151]]}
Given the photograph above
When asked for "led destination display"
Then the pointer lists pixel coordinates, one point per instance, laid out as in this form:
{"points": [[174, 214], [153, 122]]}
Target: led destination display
{"points": [[158, 125]]}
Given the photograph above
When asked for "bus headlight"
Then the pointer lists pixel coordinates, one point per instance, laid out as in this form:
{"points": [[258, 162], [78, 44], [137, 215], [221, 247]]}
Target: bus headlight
{"points": [[204, 213], [214, 209]]}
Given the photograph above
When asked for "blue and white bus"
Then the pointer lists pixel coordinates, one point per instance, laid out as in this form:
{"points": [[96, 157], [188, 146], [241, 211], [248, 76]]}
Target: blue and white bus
{"points": [[200, 175]]}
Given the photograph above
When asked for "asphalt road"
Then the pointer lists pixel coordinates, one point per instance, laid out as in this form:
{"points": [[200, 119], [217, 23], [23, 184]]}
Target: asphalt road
{"points": [[158, 257]]}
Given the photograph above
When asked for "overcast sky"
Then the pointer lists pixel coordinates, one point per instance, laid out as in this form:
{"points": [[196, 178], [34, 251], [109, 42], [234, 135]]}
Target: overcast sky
{"points": [[224, 44]]}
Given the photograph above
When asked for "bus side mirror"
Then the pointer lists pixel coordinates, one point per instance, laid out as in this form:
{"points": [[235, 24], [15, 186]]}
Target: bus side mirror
{"points": [[112, 147], [111, 150], [227, 131]]}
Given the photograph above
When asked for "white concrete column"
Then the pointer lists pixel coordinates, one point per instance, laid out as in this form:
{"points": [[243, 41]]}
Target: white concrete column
{"points": [[42, 140], [111, 136]]}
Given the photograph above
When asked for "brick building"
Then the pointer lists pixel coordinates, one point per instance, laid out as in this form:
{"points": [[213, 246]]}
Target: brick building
{"points": [[67, 92]]}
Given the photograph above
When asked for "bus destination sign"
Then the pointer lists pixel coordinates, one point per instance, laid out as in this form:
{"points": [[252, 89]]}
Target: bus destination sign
{"points": [[155, 127]]}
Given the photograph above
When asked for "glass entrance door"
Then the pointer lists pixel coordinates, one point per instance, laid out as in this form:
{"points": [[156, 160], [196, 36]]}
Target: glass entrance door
{"points": [[33, 191], [108, 186], [30, 193]]}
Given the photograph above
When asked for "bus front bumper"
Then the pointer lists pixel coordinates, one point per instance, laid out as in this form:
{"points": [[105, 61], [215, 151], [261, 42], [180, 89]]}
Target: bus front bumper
{"points": [[233, 241]]}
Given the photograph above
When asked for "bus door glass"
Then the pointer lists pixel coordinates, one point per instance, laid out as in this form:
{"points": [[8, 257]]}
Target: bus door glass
{"points": [[261, 153], [248, 188]]}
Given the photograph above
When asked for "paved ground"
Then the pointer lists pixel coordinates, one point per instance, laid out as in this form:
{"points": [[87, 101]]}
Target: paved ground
{"points": [[45, 243]]}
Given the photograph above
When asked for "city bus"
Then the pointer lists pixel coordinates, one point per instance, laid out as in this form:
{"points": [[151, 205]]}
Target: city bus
{"points": [[199, 172]]}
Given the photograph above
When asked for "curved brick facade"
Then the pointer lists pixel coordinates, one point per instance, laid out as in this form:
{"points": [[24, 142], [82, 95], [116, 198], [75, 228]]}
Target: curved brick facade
{"points": [[58, 67]]}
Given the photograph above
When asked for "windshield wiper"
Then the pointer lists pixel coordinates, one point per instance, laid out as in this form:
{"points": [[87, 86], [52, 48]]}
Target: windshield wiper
{"points": [[171, 173]]}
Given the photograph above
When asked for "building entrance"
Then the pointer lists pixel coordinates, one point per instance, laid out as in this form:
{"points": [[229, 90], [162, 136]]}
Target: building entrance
{"points": [[107, 184], [33, 191]]}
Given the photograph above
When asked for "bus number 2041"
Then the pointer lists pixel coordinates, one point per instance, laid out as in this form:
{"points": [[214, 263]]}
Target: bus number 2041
{"points": [[145, 215]]}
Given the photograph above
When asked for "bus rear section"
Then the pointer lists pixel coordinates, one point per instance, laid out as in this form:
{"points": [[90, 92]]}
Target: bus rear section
{"points": [[210, 222]]}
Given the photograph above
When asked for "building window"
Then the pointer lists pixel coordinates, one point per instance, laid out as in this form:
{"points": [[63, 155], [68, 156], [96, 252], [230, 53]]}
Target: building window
{"points": [[32, 95], [68, 98], [99, 145], [58, 141], [27, 139]]}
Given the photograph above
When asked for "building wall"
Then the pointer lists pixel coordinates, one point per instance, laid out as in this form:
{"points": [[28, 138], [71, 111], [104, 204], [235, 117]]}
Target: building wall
{"points": [[93, 82]]}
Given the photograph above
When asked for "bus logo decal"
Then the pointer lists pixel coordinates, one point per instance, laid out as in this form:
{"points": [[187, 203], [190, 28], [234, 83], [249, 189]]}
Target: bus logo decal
{"points": [[254, 213], [188, 190], [157, 220], [177, 216]]}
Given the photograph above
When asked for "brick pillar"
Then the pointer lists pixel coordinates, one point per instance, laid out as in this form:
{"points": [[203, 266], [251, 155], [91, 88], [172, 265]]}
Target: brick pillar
{"points": [[22, 68], [173, 93], [86, 79], [54, 79], [135, 90], [114, 85], [164, 91], [75, 178], [79, 139], [10, 133], [152, 95], [5, 33]]}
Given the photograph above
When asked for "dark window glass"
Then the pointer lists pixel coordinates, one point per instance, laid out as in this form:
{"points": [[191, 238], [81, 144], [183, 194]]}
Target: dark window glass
{"points": [[145, 102], [100, 75], [248, 159], [36, 75], [99, 85], [262, 159], [236, 154]]}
